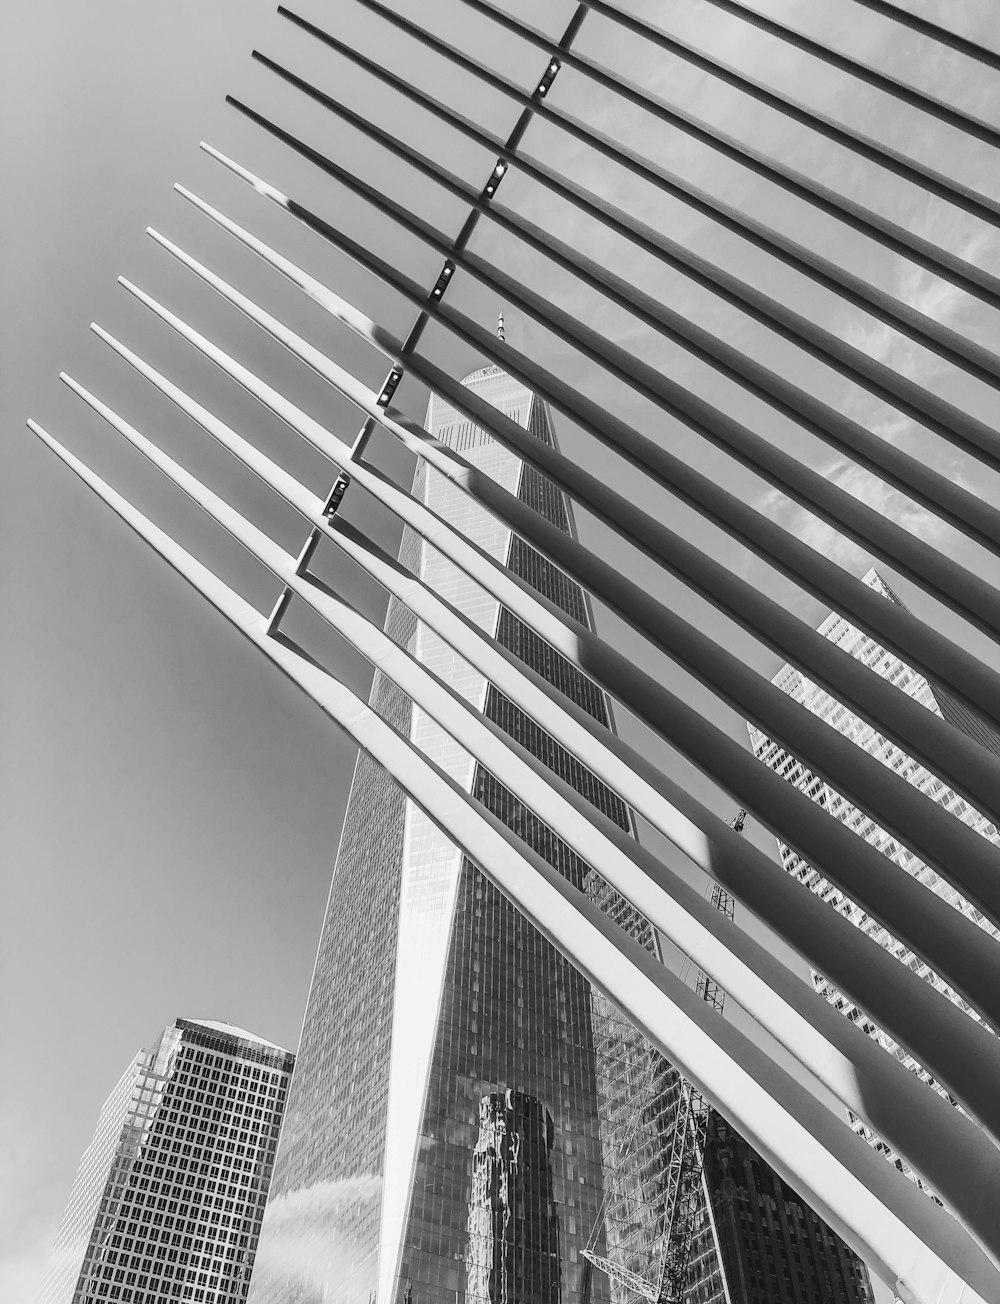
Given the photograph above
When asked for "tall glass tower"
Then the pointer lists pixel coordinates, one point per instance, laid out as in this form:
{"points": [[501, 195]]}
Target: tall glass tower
{"points": [[444, 1128], [842, 718], [467, 1116], [168, 1199]]}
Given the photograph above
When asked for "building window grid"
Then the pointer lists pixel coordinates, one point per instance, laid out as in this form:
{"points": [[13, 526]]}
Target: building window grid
{"points": [[148, 1195]]}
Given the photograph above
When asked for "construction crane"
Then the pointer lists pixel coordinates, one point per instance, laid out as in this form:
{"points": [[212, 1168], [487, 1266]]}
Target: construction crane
{"points": [[665, 1280]]}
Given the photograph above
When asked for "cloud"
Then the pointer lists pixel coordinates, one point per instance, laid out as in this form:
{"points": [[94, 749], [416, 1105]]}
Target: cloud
{"points": [[867, 488], [940, 301], [933, 297], [302, 1237], [30, 1204], [314, 1206], [22, 1271]]}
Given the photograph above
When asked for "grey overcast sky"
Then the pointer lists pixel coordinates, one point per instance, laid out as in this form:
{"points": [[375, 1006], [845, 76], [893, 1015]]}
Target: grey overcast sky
{"points": [[169, 806]]}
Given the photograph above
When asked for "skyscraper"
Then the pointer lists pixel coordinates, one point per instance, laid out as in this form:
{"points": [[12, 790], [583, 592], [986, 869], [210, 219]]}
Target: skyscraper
{"points": [[168, 1199], [447, 1060], [840, 717], [775, 1249], [468, 1116]]}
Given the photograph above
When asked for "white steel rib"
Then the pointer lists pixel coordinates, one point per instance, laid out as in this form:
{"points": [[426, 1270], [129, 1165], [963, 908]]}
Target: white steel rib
{"points": [[871, 1205], [708, 842], [971, 1046], [928, 1255], [949, 942], [838, 1055], [966, 860]]}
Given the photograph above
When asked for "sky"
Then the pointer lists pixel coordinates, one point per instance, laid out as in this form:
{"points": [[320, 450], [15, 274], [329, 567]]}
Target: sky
{"points": [[170, 807]]}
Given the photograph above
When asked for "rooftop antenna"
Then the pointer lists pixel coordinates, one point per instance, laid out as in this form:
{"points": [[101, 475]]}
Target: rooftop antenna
{"points": [[500, 331]]}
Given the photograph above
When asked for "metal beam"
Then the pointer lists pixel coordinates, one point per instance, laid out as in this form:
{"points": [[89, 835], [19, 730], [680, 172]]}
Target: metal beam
{"points": [[962, 121], [901, 1233], [485, 197], [882, 457], [876, 226], [952, 945], [964, 859], [854, 363], [925, 330], [893, 626], [917, 23], [960, 1053], [928, 737], [926, 178], [971, 597]]}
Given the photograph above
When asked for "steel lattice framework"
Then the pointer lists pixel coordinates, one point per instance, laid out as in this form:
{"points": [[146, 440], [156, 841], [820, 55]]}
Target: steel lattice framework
{"points": [[932, 1254]]}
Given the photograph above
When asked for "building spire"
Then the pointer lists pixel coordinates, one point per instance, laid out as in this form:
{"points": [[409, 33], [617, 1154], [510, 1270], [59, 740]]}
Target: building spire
{"points": [[500, 331]]}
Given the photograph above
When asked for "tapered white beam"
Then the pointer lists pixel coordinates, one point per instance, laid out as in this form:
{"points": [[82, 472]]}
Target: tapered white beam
{"points": [[961, 1054], [955, 586], [951, 944], [967, 861], [698, 931], [943, 1145], [926, 27], [906, 472], [926, 178], [906, 1239], [806, 259], [957, 852], [958, 760], [891, 235], [904, 91], [803, 331]]}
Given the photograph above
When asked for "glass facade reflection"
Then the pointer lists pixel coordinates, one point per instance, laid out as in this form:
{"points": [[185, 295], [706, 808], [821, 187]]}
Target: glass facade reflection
{"points": [[513, 1232], [840, 717], [168, 1200]]}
